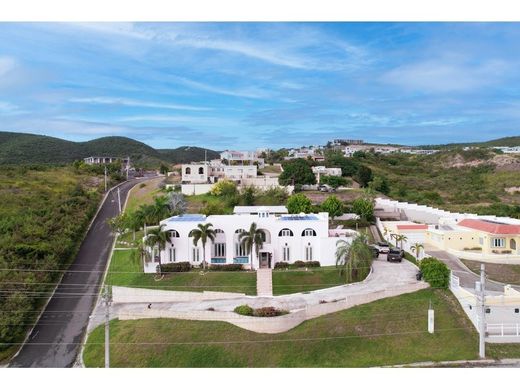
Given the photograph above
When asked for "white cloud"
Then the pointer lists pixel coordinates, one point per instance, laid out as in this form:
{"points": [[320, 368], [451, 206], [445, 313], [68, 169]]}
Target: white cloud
{"points": [[136, 103], [7, 64], [443, 76]]}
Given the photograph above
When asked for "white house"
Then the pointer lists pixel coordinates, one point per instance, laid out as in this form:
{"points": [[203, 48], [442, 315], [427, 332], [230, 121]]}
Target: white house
{"points": [[241, 157], [288, 238], [321, 170]]}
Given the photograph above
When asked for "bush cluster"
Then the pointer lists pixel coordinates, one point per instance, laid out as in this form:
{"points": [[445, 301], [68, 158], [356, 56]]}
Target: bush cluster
{"points": [[281, 264], [244, 310], [435, 272], [183, 266], [269, 311], [226, 267]]}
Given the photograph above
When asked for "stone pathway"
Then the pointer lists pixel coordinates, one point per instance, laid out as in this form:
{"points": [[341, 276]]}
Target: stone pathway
{"points": [[264, 282]]}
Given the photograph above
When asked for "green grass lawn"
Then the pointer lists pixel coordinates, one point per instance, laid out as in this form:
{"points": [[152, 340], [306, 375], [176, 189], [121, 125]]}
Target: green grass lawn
{"points": [[385, 332], [125, 270], [295, 280], [126, 240], [503, 351]]}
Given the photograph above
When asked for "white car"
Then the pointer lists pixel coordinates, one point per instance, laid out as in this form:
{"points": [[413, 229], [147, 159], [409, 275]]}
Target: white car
{"points": [[383, 247]]}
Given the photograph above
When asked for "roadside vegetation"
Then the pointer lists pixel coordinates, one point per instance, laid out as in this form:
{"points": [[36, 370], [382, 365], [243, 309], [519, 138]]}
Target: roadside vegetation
{"points": [[44, 214], [385, 332]]}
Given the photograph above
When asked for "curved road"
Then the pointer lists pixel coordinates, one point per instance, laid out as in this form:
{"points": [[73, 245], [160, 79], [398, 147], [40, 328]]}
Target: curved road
{"points": [[56, 339]]}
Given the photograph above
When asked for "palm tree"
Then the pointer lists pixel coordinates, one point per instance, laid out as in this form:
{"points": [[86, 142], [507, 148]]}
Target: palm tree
{"points": [[160, 208], [416, 248], [157, 237], [400, 238], [203, 233], [353, 257], [252, 239]]}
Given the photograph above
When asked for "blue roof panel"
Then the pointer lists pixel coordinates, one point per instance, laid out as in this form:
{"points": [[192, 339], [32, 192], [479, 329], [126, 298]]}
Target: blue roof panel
{"points": [[298, 218], [188, 218]]}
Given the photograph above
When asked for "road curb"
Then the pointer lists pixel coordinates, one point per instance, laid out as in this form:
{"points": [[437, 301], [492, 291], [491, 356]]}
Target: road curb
{"points": [[79, 363]]}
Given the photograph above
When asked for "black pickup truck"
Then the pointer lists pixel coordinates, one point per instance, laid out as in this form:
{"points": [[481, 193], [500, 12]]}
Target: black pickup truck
{"points": [[395, 254]]}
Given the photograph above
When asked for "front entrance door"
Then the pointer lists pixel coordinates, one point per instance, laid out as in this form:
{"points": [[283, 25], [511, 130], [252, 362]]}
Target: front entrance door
{"points": [[265, 260]]}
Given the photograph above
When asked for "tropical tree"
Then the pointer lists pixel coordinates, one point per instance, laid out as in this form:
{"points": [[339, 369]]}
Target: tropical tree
{"points": [[399, 239], [333, 206], [354, 259], [297, 171], [160, 209], [416, 248], [299, 203], [118, 223], [133, 222], [364, 207], [157, 238], [203, 233], [254, 238]]}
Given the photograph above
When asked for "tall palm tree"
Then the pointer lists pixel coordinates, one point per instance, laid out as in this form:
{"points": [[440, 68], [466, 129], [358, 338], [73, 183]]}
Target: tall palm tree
{"points": [[203, 233], [353, 259], [160, 208], [252, 239], [157, 237], [416, 248]]}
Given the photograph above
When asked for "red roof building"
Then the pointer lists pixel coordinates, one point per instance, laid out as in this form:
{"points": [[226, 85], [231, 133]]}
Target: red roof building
{"points": [[489, 226], [412, 227]]}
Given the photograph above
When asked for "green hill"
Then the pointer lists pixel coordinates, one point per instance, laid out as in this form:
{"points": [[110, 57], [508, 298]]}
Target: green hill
{"points": [[21, 148], [185, 154], [505, 141]]}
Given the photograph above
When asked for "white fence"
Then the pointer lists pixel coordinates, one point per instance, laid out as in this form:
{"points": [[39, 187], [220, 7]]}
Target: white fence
{"points": [[503, 330]]}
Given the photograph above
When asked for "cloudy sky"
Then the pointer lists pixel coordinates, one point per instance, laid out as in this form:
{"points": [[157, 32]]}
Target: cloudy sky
{"points": [[244, 85]]}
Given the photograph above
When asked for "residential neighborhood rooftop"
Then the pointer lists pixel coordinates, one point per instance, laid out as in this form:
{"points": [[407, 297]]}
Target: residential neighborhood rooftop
{"points": [[490, 227]]}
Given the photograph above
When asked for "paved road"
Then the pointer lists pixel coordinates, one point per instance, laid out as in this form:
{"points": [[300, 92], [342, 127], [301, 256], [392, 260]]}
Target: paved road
{"points": [[467, 278], [55, 340]]}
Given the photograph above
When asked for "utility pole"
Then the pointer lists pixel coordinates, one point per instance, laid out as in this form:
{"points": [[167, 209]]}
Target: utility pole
{"points": [[107, 299], [105, 178], [431, 318], [482, 322], [119, 199]]}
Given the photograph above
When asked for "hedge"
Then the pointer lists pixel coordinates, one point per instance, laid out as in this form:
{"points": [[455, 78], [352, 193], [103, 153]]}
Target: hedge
{"points": [[226, 267], [183, 266], [244, 310], [435, 272], [269, 311]]}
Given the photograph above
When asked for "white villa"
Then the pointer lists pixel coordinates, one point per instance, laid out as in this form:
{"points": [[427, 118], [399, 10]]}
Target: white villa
{"points": [[242, 157], [287, 238], [321, 170]]}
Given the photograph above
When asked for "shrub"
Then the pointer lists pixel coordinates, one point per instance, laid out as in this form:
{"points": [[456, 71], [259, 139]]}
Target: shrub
{"points": [[269, 311], [226, 267], [301, 264], [244, 310], [281, 264], [183, 266], [435, 272], [142, 185]]}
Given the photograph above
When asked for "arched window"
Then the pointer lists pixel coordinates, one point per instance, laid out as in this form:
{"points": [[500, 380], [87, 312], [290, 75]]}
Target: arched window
{"points": [[308, 252], [174, 234], [238, 231], [188, 171], [201, 171], [285, 233], [308, 233], [217, 231]]}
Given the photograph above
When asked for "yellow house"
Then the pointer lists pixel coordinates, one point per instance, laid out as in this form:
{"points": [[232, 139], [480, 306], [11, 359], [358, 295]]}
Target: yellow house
{"points": [[476, 235]]}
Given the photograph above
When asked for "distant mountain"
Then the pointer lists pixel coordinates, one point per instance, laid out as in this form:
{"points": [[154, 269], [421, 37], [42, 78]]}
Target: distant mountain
{"points": [[505, 141], [21, 148]]}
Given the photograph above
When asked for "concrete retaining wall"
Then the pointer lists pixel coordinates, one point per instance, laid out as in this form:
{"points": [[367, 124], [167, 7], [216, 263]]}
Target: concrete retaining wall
{"points": [[144, 295], [270, 324]]}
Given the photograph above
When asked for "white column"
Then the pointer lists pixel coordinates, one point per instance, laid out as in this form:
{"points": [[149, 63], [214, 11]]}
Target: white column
{"points": [[230, 245]]}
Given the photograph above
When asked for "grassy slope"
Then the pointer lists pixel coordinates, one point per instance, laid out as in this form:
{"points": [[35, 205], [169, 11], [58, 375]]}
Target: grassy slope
{"points": [[140, 194], [389, 331], [505, 273]]}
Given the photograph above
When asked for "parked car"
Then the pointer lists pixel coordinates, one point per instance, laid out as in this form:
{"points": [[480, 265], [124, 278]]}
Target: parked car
{"points": [[383, 247], [395, 254], [375, 251], [325, 188]]}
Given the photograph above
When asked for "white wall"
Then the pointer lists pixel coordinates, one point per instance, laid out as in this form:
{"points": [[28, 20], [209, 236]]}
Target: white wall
{"points": [[195, 189]]}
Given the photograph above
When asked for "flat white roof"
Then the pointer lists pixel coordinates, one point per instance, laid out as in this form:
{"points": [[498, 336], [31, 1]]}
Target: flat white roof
{"points": [[256, 209]]}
